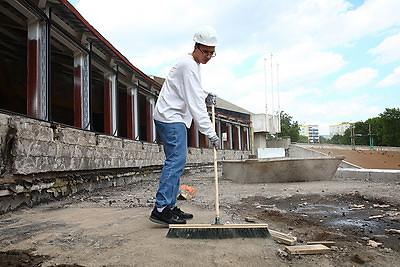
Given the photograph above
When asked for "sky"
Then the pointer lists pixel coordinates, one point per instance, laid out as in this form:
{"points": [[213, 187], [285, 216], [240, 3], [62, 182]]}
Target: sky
{"points": [[323, 62]]}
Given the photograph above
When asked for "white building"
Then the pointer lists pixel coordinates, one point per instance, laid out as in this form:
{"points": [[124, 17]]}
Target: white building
{"points": [[311, 131], [338, 129]]}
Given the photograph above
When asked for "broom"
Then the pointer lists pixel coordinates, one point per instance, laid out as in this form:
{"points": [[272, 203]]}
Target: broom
{"points": [[217, 230]]}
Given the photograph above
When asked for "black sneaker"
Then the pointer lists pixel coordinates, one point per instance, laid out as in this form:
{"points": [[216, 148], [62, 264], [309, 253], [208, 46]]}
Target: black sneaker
{"points": [[182, 215], [165, 217]]}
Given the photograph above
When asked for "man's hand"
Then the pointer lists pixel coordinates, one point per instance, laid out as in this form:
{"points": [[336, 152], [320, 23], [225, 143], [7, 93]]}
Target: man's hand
{"points": [[214, 141], [211, 99]]}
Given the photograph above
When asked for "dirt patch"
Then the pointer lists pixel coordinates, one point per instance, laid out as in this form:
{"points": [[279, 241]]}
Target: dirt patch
{"points": [[26, 258], [110, 227], [347, 219], [369, 159], [21, 258]]}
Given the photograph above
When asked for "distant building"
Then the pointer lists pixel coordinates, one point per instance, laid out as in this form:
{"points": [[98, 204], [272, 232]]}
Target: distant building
{"points": [[338, 129], [311, 131]]}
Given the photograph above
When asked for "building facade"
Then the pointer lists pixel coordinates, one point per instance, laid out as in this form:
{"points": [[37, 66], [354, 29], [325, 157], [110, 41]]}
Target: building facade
{"points": [[57, 68], [76, 115], [311, 131], [338, 129]]}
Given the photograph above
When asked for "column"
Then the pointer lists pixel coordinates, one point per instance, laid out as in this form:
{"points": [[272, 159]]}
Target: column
{"points": [[246, 138], [194, 140], [37, 105], [230, 142], [136, 112], [150, 134], [130, 107], [239, 137], [86, 92], [81, 91], [110, 98]]}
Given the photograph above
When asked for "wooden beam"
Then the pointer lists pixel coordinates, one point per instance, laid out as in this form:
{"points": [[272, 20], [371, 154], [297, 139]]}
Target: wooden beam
{"points": [[19, 8], [63, 25], [325, 243], [13, 17], [307, 249], [12, 35], [286, 239]]}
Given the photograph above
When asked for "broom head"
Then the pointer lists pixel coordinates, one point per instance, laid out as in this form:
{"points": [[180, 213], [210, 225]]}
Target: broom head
{"points": [[218, 231]]}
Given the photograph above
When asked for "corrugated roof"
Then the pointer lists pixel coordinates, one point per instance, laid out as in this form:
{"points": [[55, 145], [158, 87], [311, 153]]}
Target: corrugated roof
{"points": [[222, 103]]}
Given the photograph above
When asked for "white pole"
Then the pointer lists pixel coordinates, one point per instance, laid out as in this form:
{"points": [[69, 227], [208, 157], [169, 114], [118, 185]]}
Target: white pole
{"points": [[265, 85], [279, 102], [272, 88], [265, 119], [277, 86]]}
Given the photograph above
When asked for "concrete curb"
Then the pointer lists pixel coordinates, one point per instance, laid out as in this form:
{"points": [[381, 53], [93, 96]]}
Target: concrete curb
{"points": [[372, 175]]}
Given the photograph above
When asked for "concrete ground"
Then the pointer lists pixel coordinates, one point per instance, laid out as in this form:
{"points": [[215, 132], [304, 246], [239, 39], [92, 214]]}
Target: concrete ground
{"points": [[110, 227]]}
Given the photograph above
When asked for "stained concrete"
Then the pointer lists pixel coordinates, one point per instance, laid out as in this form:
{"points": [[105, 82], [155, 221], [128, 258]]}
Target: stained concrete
{"points": [[278, 170]]}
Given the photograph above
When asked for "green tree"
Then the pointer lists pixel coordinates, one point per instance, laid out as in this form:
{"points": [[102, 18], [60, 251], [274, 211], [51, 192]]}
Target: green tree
{"points": [[288, 127], [334, 139], [338, 139], [390, 127], [376, 130], [361, 132], [384, 129], [323, 140], [303, 139], [345, 138]]}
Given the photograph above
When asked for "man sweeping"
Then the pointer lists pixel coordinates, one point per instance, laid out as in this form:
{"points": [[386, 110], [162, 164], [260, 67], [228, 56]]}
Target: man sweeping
{"points": [[181, 100]]}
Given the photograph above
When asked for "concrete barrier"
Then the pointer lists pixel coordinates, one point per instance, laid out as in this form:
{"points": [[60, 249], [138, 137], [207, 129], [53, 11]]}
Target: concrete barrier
{"points": [[281, 170], [371, 175], [348, 170]]}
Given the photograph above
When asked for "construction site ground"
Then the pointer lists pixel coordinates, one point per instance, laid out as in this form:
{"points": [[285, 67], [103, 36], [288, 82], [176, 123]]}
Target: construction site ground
{"points": [[110, 227]]}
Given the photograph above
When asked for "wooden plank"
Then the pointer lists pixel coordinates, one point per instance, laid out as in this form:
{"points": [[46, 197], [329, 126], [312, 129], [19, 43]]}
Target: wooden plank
{"points": [[250, 219], [286, 239], [357, 207], [325, 243], [375, 217], [307, 249], [374, 244], [226, 226], [395, 231]]}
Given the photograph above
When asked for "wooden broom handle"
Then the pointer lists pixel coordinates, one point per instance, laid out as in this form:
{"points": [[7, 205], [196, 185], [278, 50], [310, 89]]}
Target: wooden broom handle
{"points": [[215, 168]]}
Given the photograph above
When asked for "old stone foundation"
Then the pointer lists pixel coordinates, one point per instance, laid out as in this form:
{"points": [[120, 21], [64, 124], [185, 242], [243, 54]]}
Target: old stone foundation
{"points": [[42, 161]]}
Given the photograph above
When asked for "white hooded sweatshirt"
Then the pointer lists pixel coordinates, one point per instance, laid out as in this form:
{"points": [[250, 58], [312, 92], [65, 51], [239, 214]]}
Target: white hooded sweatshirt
{"points": [[182, 97]]}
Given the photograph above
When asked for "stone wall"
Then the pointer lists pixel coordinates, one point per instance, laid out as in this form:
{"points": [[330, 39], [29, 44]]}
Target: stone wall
{"points": [[40, 161]]}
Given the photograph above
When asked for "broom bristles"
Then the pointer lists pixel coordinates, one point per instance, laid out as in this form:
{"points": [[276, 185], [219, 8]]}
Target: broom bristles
{"points": [[218, 231]]}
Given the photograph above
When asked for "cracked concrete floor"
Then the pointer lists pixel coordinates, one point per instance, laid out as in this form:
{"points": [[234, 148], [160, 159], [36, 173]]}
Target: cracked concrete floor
{"points": [[110, 227]]}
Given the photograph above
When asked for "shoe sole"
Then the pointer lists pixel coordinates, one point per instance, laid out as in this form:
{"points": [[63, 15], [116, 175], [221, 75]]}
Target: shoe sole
{"points": [[154, 220], [185, 218]]}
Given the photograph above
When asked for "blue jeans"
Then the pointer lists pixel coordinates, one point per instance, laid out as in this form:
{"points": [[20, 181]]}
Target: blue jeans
{"points": [[174, 137]]}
